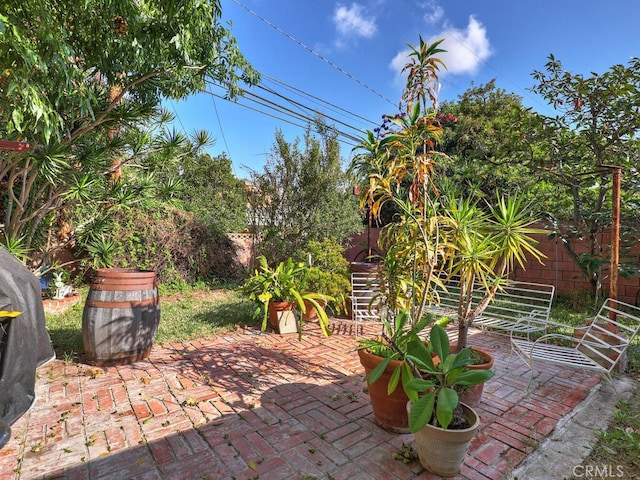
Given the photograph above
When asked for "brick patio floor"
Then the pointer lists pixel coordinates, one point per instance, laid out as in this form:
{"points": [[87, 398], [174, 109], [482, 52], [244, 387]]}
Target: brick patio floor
{"points": [[248, 405]]}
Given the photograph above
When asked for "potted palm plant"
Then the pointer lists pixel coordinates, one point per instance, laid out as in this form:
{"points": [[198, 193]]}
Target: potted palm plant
{"points": [[280, 291], [403, 290], [482, 247], [394, 168], [443, 426]]}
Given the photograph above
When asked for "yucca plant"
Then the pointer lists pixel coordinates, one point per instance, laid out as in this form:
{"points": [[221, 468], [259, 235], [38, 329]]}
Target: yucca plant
{"points": [[482, 248], [102, 251], [16, 247]]}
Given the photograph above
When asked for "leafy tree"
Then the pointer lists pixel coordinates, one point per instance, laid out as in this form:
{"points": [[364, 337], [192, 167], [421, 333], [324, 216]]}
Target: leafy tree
{"points": [[597, 124], [214, 194], [85, 93], [495, 143], [301, 195], [53, 71], [482, 136]]}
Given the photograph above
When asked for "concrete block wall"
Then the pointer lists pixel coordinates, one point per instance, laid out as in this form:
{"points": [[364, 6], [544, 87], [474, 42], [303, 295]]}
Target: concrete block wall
{"points": [[558, 268]]}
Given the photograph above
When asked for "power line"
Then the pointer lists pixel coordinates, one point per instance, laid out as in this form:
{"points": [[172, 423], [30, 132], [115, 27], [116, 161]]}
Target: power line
{"points": [[311, 50], [224, 139], [307, 113], [308, 108], [290, 87], [173, 106], [346, 138], [300, 116]]}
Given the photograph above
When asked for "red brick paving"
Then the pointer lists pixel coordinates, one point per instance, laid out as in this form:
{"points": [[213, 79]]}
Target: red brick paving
{"points": [[248, 406]]}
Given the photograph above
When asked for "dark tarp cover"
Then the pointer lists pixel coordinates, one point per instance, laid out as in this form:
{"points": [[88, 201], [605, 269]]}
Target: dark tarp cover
{"points": [[25, 344]]}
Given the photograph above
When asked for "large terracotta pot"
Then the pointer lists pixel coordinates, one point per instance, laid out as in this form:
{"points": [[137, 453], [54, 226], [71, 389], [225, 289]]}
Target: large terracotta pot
{"points": [[443, 451], [473, 396], [389, 411]]}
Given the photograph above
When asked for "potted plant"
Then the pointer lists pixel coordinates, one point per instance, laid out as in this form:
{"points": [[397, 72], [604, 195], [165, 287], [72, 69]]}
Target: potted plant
{"points": [[327, 274], [481, 248], [395, 169], [443, 426], [481, 359], [280, 290], [386, 369], [401, 297]]}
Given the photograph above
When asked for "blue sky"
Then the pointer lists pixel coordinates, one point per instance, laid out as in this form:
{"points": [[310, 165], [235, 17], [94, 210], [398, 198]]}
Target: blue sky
{"points": [[344, 59]]}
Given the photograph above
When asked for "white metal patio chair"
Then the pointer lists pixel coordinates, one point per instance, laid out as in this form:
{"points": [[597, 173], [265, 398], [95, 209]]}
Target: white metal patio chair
{"points": [[366, 299], [598, 346]]}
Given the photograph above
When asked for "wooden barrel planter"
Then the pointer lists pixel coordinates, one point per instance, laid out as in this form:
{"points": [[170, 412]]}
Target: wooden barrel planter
{"points": [[120, 317]]}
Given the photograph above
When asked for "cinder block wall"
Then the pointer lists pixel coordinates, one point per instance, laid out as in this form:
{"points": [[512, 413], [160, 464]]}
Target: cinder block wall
{"points": [[558, 268]]}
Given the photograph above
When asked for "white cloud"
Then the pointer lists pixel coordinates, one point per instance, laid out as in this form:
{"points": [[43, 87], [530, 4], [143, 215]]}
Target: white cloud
{"points": [[465, 49], [353, 22], [399, 61], [433, 12]]}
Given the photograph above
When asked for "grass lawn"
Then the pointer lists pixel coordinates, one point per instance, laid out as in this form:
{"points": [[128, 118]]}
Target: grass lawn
{"points": [[183, 316]]}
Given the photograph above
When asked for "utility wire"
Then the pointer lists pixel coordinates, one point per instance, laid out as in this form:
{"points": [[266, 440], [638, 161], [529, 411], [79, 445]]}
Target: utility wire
{"points": [[285, 110], [173, 107], [346, 137], [309, 49], [273, 92], [224, 138], [344, 110]]}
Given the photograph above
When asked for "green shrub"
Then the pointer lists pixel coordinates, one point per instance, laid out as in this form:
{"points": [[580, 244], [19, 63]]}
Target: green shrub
{"points": [[178, 247], [329, 271]]}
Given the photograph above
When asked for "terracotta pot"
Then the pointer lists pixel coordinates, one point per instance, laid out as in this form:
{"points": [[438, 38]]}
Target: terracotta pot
{"points": [[473, 396], [311, 313], [443, 451], [389, 411]]}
